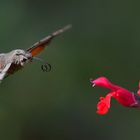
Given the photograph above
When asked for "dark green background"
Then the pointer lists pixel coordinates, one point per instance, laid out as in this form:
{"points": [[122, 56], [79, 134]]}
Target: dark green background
{"points": [[61, 104]]}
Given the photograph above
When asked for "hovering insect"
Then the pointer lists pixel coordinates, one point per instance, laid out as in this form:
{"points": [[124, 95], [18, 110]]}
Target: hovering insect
{"points": [[16, 59]]}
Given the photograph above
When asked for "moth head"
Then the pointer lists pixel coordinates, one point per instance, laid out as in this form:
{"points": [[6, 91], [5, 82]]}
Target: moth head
{"points": [[21, 57]]}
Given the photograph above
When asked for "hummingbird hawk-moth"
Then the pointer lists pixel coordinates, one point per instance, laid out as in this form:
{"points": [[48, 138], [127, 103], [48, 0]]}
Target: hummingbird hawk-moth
{"points": [[16, 59]]}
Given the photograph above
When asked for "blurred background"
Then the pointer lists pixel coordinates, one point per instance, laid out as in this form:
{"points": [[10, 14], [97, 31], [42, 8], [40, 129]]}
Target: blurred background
{"points": [[61, 104]]}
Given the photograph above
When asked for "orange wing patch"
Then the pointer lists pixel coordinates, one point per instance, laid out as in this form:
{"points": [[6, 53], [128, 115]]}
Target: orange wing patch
{"points": [[37, 50]]}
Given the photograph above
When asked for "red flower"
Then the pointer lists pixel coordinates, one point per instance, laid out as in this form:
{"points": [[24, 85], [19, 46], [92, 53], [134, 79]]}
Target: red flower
{"points": [[138, 92], [122, 95]]}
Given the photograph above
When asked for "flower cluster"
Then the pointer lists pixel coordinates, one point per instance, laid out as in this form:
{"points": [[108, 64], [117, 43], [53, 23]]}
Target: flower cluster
{"points": [[122, 95]]}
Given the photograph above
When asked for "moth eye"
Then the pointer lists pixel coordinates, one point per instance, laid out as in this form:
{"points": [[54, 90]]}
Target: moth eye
{"points": [[24, 60]]}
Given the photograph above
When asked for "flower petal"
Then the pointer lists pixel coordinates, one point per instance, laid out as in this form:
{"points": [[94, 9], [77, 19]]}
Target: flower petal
{"points": [[138, 92], [102, 108], [104, 104]]}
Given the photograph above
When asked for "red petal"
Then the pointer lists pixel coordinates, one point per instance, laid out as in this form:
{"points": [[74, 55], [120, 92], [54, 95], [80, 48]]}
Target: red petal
{"points": [[104, 104], [102, 108], [138, 92]]}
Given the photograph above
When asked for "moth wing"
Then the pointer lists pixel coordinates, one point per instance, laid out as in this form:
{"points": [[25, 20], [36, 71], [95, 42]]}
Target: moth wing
{"points": [[40, 46], [3, 72]]}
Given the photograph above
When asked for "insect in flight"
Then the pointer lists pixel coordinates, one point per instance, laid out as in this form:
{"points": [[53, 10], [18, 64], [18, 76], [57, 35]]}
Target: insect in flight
{"points": [[16, 59]]}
